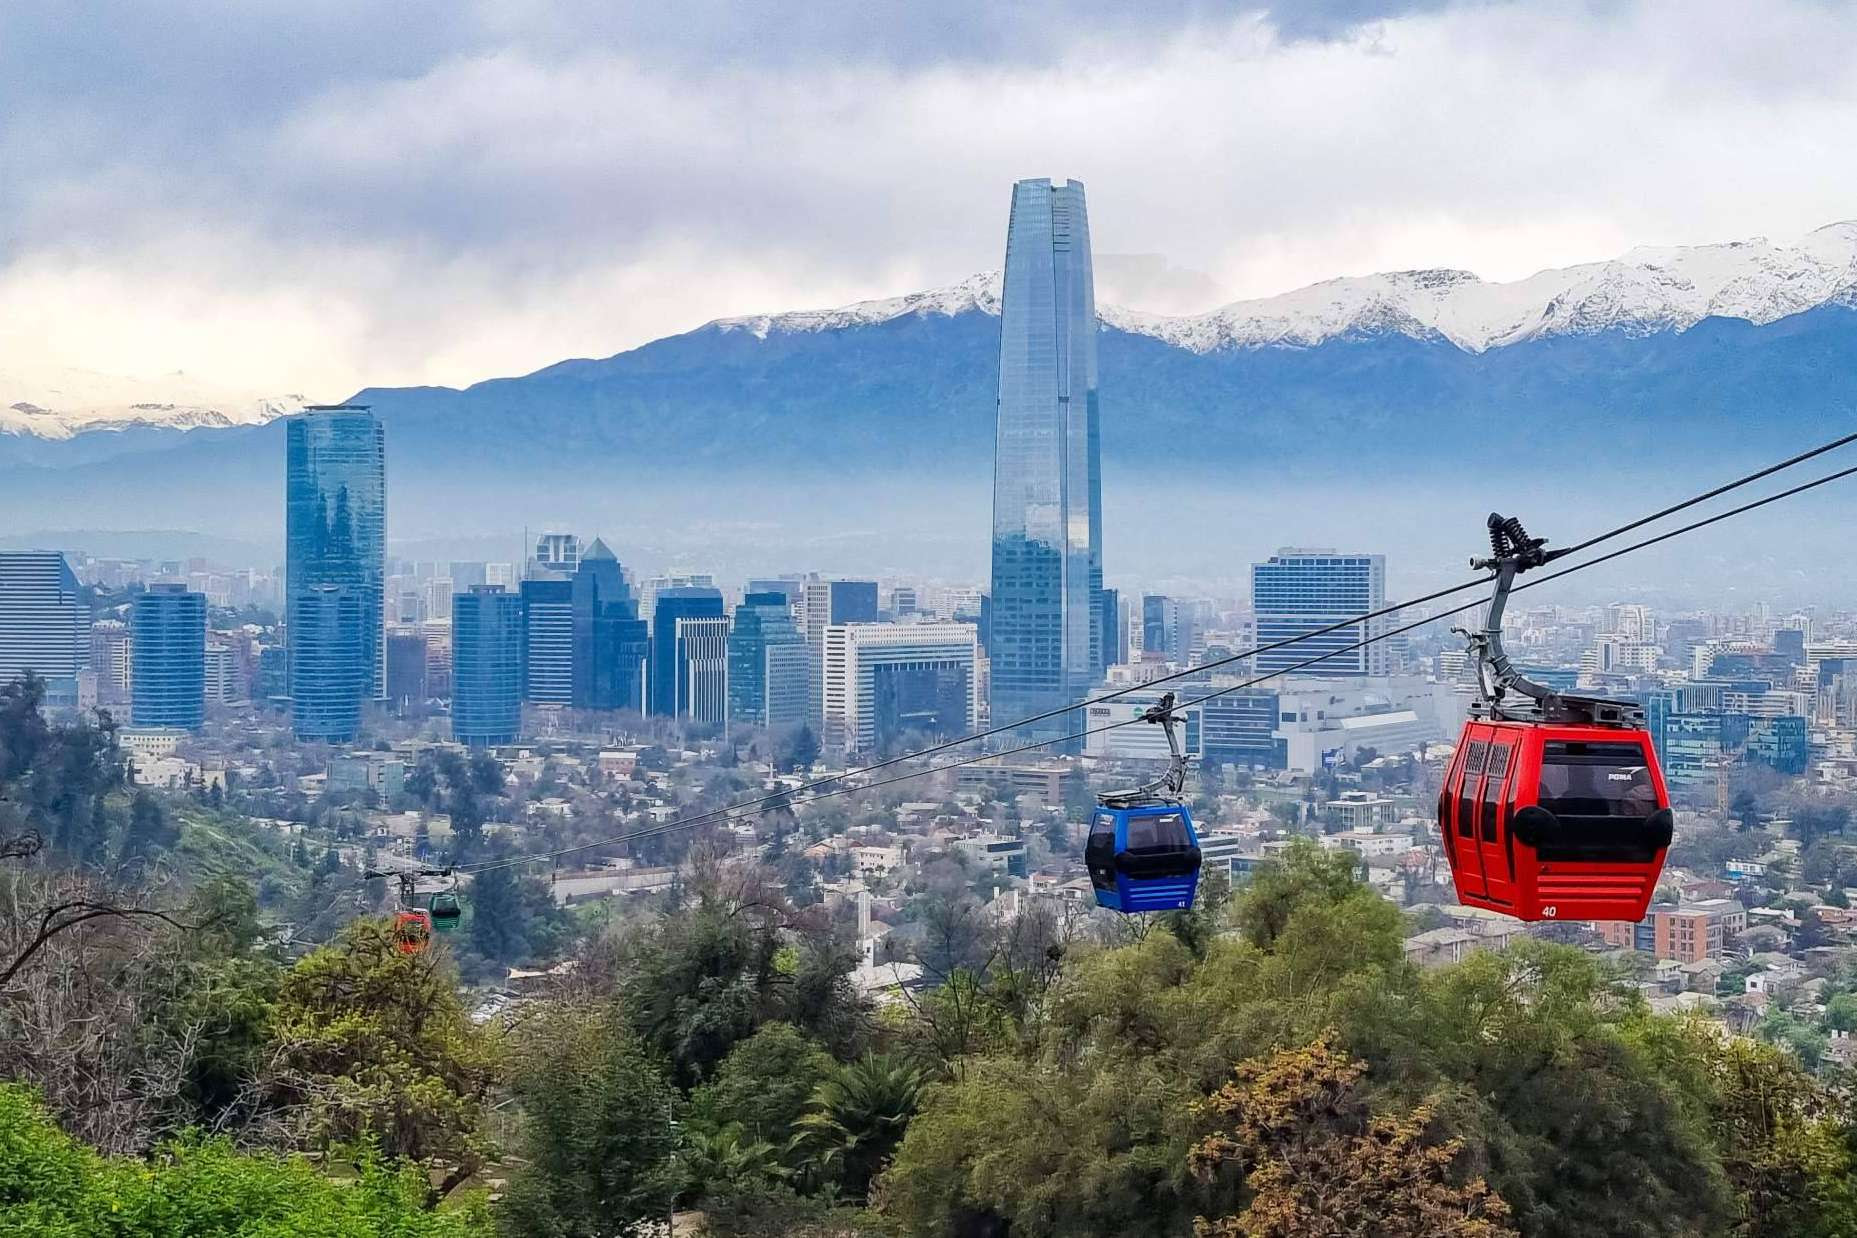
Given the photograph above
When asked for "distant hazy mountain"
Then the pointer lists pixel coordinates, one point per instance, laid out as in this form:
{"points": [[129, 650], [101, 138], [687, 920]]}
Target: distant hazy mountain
{"points": [[1633, 373], [61, 403]]}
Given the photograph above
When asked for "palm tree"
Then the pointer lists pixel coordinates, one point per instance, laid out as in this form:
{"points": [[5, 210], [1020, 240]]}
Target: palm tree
{"points": [[720, 1157], [857, 1118]]}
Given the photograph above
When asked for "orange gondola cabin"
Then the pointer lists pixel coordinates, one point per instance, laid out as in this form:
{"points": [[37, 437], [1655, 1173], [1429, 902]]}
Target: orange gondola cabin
{"points": [[1554, 807]]}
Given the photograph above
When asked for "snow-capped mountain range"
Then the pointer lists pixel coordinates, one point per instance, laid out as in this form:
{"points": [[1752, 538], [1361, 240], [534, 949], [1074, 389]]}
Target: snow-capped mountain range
{"points": [[59, 403], [1648, 290]]}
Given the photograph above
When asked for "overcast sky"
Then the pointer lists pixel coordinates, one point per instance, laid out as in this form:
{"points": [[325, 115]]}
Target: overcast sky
{"points": [[313, 196]]}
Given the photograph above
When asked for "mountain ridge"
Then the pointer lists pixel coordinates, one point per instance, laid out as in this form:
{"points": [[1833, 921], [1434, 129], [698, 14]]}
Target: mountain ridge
{"points": [[1647, 291]]}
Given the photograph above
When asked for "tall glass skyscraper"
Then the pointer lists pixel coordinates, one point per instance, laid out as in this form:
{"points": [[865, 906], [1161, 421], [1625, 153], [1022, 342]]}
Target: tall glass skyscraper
{"points": [[169, 666], [487, 644], [335, 534], [328, 674], [1044, 634]]}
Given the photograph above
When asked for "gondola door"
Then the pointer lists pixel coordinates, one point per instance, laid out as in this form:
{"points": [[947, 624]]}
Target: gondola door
{"points": [[1466, 856], [1494, 846]]}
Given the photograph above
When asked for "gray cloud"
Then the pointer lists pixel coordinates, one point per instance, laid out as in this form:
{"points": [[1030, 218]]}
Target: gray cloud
{"points": [[328, 194]]}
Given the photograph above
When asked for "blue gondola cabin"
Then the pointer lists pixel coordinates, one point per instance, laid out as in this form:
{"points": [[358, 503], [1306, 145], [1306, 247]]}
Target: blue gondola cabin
{"points": [[1144, 858]]}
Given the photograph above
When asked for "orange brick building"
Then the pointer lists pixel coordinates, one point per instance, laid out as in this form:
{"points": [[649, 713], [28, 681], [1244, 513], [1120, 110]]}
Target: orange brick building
{"points": [[1689, 933]]}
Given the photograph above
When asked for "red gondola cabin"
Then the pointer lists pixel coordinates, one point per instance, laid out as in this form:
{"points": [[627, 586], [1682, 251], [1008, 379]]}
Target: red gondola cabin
{"points": [[412, 931], [1550, 821]]}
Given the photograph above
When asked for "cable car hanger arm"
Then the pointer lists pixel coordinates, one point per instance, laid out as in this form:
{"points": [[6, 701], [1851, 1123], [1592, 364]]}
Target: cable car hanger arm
{"points": [[1170, 786], [1513, 552]]}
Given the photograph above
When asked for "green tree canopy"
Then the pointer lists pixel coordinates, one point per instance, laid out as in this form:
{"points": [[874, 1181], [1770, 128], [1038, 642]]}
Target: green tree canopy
{"points": [[596, 1132], [51, 1186], [369, 1043], [765, 1083]]}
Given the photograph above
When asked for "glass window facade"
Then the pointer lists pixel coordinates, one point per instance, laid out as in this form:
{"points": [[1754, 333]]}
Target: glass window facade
{"points": [[1109, 623], [335, 534], [1044, 630], [329, 671], [769, 683], [44, 624], [169, 664], [669, 679], [487, 644], [548, 616], [1241, 727], [703, 668], [1296, 592], [611, 642]]}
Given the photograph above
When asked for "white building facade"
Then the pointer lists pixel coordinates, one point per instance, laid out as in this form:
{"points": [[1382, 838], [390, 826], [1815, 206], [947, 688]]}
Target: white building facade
{"points": [[884, 680]]}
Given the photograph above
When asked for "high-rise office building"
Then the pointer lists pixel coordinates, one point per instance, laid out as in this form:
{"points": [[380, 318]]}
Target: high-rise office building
{"points": [[703, 669], [548, 618], [823, 603], [1109, 623], [329, 661], [408, 678], [1297, 592], [555, 552], [438, 655], [649, 590], [1160, 628], [335, 528], [789, 587], [169, 623], [488, 647], [611, 643], [228, 669], [890, 683], [44, 623], [112, 657], [670, 689], [769, 663], [1044, 639]]}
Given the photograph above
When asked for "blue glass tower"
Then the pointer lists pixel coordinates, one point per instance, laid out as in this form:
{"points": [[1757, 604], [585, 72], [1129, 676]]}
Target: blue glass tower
{"points": [[1109, 623], [667, 669], [328, 672], [548, 617], [611, 643], [169, 666], [487, 646], [1045, 635], [769, 663], [335, 533]]}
